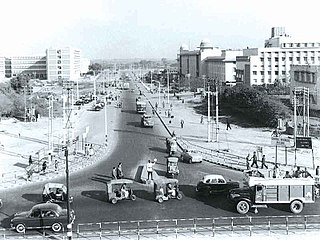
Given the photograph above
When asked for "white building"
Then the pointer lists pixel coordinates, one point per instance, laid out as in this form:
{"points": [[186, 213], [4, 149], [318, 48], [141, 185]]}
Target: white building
{"points": [[2, 67], [33, 66], [222, 68], [190, 62], [85, 62], [266, 65], [63, 63]]}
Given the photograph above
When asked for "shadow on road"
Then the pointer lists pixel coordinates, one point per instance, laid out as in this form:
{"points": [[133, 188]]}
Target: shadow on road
{"points": [[158, 149], [134, 124], [32, 197], [129, 111], [95, 194], [218, 201], [100, 178], [135, 132]]}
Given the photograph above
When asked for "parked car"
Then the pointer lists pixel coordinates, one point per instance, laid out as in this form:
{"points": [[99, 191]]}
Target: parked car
{"points": [[191, 156], [215, 184], [43, 215]]}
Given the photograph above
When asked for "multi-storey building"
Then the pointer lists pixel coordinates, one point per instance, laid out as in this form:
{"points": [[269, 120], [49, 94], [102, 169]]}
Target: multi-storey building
{"points": [[222, 68], [63, 63], [272, 63], [190, 62], [306, 76], [2, 67], [34, 66]]}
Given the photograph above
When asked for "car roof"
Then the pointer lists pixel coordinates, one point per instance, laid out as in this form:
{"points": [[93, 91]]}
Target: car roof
{"points": [[47, 206], [211, 176]]}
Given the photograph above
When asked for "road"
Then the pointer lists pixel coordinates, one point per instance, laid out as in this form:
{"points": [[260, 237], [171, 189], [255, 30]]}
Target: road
{"points": [[135, 146]]}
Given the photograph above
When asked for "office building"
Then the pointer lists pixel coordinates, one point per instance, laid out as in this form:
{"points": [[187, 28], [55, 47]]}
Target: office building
{"points": [[272, 63], [2, 67], [63, 63], [33, 66]]}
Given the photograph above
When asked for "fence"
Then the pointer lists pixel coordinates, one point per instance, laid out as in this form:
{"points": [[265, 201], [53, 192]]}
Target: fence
{"points": [[212, 226]]}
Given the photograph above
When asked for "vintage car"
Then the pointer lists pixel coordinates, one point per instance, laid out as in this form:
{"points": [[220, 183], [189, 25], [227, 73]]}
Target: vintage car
{"points": [[147, 121], [215, 184], [43, 215], [191, 156], [55, 193]]}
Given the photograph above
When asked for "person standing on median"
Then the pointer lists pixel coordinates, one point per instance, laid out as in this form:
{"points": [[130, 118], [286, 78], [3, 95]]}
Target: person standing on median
{"points": [[181, 123], [119, 171], [254, 160], [150, 168], [114, 173]]}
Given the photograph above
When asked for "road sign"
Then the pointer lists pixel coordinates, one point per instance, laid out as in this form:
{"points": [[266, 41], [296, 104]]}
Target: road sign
{"points": [[280, 141], [304, 142]]}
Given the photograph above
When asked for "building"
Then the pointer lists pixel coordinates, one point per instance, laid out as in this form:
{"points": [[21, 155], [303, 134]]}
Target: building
{"points": [[306, 76], [222, 68], [272, 63], [191, 62], [2, 67], [63, 63], [85, 63], [34, 66]]}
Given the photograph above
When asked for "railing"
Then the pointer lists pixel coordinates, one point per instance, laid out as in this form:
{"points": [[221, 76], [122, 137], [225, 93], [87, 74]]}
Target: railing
{"points": [[212, 226]]}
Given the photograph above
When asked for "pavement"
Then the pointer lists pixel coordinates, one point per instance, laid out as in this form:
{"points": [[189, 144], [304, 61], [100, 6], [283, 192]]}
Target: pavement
{"points": [[225, 147]]}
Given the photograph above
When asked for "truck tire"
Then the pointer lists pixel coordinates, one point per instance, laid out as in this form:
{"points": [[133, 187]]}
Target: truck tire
{"points": [[243, 207], [296, 206]]}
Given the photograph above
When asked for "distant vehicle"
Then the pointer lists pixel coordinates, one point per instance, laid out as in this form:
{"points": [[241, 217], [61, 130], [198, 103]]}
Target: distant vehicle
{"points": [[171, 145], [141, 107], [213, 184], [191, 156], [125, 86], [43, 215], [147, 121], [55, 193], [292, 191], [172, 166], [79, 102]]}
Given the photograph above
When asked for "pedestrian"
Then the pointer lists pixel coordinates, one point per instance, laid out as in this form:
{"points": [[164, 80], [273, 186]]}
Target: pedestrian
{"points": [[29, 174], [201, 119], [44, 167], [276, 171], [317, 171], [171, 106], [91, 151], [114, 173], [263, 162], [228, 125], [156, 105], [119, 171], [150, 168], [181, 123], [254, 160], [287, 175], [30, 160], [56, 165], [248, 161]]}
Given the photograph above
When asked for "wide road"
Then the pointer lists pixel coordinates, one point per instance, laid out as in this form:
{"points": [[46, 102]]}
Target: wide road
{"points": [[134, 147]]}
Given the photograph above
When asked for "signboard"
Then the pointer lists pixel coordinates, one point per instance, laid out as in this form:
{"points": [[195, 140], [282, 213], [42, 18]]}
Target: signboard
{"points": [[304, 142], [281, 141]]}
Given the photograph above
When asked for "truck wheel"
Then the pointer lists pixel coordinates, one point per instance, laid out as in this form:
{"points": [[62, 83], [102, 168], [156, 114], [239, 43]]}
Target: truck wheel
{"points": [[243, 207], [296, 206]]}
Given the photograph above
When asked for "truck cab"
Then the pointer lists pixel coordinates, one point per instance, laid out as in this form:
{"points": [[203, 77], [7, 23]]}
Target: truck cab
{"points": [[295, 192]]}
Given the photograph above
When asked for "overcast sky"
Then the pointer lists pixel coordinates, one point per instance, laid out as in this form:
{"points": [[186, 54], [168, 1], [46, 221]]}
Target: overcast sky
{"points": [[108, 29]]}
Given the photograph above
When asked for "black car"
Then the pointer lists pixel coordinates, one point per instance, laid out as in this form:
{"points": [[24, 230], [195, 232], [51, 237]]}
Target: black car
{"points": [[43, 215], [215, 184]]}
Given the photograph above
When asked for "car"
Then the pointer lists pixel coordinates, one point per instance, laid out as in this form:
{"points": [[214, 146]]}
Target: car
{"points": [[191, 156], [214, 184], [43, 215], [147, 121]]}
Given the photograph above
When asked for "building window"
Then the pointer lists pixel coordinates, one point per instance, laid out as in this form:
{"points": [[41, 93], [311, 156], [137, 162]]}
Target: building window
{"points": [[261, 59], [298, 44], [269, 59], [298, 59], [269, 72], [283, 72], [283, 58], [59, 61], [305, 59], [276, 72], [59, 72], [58, 51], [290, 59], [261, 73], [254, 72], [312, 59], [276, 59], [269, 80], [306, 44]]}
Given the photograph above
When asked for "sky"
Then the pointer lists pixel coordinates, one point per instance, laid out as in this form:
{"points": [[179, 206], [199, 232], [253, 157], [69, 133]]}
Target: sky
{"points": [[124, 29]]}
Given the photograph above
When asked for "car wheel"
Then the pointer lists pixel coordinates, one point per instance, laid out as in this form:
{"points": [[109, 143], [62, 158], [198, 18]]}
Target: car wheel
{"points": [[113, 201], [133, 197], [243, 207], [296, 206], [179, 196], [190, 160], [20, 228], [56, 227]]}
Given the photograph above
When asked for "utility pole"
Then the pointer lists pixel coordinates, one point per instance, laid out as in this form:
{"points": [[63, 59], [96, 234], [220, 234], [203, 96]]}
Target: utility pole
{"points": [[209, 120], [217, 112], [105, 122], [50, 127]]}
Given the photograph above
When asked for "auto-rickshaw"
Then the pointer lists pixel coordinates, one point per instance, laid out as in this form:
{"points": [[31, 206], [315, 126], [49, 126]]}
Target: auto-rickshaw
{"points": [[165, 189], [172, 166], [119, 189], [171, 145], [55, 193]]}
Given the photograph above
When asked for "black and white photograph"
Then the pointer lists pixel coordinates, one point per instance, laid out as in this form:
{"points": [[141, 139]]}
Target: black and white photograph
{"points": [[159, 119]]}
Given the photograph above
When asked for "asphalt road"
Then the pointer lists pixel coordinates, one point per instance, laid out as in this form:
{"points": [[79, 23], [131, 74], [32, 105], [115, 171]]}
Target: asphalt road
{"points": [[135, 146]]}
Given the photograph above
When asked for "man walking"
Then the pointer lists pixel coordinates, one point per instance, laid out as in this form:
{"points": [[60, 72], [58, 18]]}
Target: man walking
{"points": [[254, 160], [248, 161], [228, 125], [263, 162], [114, 173], [181, 123]]}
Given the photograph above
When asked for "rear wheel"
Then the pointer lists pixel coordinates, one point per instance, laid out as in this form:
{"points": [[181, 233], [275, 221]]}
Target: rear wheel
{"points": [[243, 207], [20, 228], [296, 206], [56, 227], [113, 200], [133, 197], [179, 196]]}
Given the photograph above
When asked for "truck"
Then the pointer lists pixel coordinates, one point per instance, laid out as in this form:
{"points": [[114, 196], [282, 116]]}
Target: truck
{"points": [[147, 121], [292, 191], [141, 107]]}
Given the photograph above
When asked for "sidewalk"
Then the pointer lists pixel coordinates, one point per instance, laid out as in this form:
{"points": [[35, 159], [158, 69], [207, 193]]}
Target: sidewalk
{"points": [[19, 140], [237, 142]]}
